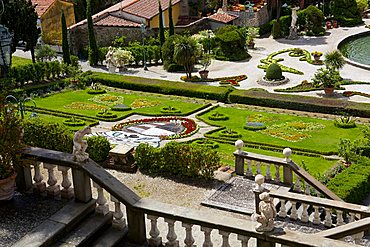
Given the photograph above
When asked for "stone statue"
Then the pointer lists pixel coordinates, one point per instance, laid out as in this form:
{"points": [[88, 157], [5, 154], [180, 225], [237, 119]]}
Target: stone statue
{"points": [[80, 145], [294, 16], [109, 60], [267, 213]]}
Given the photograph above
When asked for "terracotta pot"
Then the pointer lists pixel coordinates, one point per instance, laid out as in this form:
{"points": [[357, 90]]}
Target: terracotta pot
{"points": [[317, 58], [203, 74], [329, 91], [7, 188], [328, 25], [251, 45], [335, 24]]}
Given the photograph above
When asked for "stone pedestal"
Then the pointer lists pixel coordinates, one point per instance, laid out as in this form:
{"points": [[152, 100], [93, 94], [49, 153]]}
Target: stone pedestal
{"points": [[293, 33]]}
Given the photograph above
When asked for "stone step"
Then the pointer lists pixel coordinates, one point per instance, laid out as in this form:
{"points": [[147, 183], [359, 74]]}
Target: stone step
{"points": [[59, 223], [110, 237], [87, 231]]}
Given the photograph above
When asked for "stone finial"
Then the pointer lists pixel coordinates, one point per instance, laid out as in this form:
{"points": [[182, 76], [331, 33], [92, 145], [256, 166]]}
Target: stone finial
{"points": [[287, 153], [239, 144], [259, 179], [267, 214], [80, 145]]}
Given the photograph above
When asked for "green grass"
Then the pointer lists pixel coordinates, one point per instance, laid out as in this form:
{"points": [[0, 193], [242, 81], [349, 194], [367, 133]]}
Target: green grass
{"points": [[59, 102], [321, 140], [18, 61]]}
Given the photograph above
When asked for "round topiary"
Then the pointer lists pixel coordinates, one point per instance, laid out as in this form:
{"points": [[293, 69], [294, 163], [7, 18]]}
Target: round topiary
{"points": [[273, 72], [98, 148]]}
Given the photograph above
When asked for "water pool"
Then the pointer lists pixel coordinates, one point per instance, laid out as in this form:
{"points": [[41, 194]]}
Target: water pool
{"points": [[357, 48]]}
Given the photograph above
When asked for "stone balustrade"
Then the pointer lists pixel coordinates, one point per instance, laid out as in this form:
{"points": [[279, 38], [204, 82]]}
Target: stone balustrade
{"points": [[279, 171], [133, 213]]}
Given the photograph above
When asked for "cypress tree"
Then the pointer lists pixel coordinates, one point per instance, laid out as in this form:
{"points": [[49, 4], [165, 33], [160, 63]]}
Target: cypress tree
{"points": [[170, 20], [93, 48], [161, 28], [65, 46]]}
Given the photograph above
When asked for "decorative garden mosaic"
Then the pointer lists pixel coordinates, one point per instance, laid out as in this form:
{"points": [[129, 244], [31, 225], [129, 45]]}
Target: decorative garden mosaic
{"points": [[292, 131], [141, 103], [85, 106], [107, 99]]}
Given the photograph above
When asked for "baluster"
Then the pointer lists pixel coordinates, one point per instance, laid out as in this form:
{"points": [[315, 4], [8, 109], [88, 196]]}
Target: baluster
{"points": [[103, 207], [316, 216], [297, 185], [225, 238], [258, 165], [294, 214], [307, 188], [53, 189], [277, 173], [249, 172], [340, 221], [351, 217], [118, 221], [328, 221], [244, 240], [171, 235], [155, 240], [318, 194], [358, 237], [189, 240], [282, 212], [268, 172], [39, 186], [207, 236], [67, 191], [304, 216]]}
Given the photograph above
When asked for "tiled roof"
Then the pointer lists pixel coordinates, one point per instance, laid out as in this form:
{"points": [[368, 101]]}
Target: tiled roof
{"points": [[111, 20], [147, 8], [42, 6], [222, 17]]}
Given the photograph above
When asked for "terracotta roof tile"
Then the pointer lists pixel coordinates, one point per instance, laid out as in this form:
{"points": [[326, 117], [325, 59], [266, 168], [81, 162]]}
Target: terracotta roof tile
{"points": [[222, 17], [147, 8], [111, 20], [42, 6]]}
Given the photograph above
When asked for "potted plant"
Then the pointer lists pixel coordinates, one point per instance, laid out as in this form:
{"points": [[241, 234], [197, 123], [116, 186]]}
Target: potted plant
{"points": [[327, 79], [10, 146], [316, 55], [205, 61]]}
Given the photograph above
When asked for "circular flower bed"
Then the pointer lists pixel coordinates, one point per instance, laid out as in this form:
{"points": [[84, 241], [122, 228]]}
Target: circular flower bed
{"points": [[230, 133], [74, 122], [170, 110], [254, 126], [190, 127], [218, 117], [207, 142]]}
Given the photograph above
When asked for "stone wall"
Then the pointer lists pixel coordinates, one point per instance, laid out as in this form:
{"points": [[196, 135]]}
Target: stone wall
{"points": [[195, 27], [78, 37], [259, 18]]}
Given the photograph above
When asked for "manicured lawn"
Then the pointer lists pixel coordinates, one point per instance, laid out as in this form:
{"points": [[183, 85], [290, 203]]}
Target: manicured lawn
{"points": [[80, 102], [308, 134], [315, 165], [17, 61]]}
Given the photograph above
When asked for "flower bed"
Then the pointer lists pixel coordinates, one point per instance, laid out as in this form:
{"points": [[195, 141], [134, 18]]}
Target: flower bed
{"points": [[85, 106], [190, 127], [254, 126], [141, 103], [351, 93], [107, 99]]}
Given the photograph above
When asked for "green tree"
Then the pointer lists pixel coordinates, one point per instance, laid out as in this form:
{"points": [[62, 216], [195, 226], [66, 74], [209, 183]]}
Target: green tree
{"points": [[93, 48], [170, 20], [334, 60], [186, 53], [65, 46], [161, 27]]}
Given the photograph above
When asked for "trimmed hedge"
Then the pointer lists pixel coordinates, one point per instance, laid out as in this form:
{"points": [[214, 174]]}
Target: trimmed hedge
{"points": [[297, 102], [352, 185], [162, 86], [98, 148], [178, 159]]}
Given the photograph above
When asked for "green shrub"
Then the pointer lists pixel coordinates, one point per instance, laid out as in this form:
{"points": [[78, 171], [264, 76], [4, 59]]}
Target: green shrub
{"points": [[229, 133], [273, 72], [352, 185], [346, 12], [170, 110], [285, 22], [184, 160], [276, 32], [218, 117], [47, 135], [173, 67], [168, 49], [106, 115], [314, 19], [206, 142], [96, 91], [74, 122], [98, 148], [230, 41], [265, 28]]}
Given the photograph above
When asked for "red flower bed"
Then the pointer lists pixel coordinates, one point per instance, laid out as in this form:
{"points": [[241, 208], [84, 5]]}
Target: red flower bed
{"points": [[190, 127]]}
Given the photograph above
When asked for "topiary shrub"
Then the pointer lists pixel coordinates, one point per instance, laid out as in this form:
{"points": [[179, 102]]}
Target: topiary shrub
{"points": [[170, 110], [273, 72], [218, 116], [96, 91], [314, 19], [229, 133], [106, 115], [347, 13], [206, 142], [276, 31], [98, 148], [74, 122]]}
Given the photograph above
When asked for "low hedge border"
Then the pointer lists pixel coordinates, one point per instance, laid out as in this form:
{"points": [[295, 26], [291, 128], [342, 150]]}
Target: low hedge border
{"points": [[170, 110], [74, 122], [96, 91], [254, 128], [206, 142], [106, 115]]}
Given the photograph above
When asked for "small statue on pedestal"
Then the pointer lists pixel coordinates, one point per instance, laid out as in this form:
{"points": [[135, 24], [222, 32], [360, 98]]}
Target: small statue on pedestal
{"points": [[293, 34], [267, 213], [80, 145]]}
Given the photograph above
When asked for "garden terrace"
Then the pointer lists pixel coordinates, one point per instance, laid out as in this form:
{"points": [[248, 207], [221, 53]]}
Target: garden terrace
{"points": [[137, 209]]}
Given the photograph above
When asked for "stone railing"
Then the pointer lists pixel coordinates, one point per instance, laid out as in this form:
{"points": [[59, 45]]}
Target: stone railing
{"points": [[76, 181], [279, 170]]}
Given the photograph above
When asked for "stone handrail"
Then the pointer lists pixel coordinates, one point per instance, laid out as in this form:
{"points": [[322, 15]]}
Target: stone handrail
{"points": [[289, 167], [136, 207]]}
